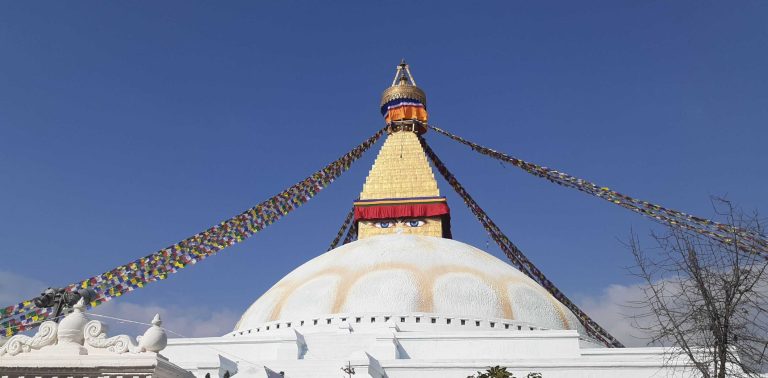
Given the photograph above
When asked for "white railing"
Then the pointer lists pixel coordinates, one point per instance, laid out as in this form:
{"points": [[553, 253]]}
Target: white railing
{"points": [[410, 320]]}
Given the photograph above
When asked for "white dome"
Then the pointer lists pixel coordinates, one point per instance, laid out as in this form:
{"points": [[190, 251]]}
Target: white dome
{"points": [[400, 274]]}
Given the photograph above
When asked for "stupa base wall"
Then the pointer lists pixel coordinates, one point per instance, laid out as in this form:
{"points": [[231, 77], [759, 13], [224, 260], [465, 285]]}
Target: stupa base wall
{"points": [[387, 351]]}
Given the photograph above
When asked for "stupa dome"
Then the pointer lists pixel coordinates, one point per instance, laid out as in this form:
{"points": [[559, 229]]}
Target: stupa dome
{"points": [[404, 274]]}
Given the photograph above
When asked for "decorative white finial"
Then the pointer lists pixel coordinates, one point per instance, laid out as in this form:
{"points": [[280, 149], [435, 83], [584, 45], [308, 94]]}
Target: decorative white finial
{"points": [[80, 305], [155, 339], [71, 327]]}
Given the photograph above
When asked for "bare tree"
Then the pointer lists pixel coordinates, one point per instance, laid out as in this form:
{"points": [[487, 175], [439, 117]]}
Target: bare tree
{"points": [[706, 298], [500, 372]]}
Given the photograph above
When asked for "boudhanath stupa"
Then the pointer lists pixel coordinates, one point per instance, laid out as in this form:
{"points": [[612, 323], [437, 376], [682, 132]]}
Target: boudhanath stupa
{"points": [[403, 300]]}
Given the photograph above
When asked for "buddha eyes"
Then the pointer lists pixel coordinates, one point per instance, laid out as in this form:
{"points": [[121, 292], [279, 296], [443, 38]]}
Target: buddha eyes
{"points": [[406, 222]]}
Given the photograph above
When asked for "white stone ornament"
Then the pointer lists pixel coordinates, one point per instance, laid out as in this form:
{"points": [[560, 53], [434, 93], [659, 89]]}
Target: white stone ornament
{"points": [[96, 337], [69, 338], [154, 339], [76, 335], [46, 335]]}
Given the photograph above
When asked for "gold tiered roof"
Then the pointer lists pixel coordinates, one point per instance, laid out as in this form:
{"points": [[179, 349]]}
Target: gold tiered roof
{"points": [[401, 170], [403, 86]]}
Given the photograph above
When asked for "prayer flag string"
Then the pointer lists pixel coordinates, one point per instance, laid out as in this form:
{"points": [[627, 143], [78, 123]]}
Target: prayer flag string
{"points": [[727, 234], [516, 256], [344, 227], [159, 265], [351, 233]]}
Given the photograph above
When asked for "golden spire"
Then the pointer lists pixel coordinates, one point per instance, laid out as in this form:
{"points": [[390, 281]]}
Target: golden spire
{"points": [[403, 86], [400, 194], [401, 170], [403, 104]]}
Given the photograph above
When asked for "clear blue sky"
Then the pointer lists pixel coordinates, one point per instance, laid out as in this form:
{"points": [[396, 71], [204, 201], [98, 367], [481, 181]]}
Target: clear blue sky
{"points": [[128, 126]]}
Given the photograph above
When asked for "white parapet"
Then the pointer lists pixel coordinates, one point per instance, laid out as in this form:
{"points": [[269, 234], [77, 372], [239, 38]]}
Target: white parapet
{"points": [[79, 347]]}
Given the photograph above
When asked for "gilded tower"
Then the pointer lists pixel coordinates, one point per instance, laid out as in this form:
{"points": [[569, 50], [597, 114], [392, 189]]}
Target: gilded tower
{"points": [[400, 194]]}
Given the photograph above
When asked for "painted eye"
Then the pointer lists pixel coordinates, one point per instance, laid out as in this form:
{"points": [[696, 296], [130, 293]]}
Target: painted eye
{"points": [[384, 224], [415, 223]]}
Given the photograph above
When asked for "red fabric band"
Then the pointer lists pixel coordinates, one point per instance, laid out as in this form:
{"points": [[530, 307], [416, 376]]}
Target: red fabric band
{"points": [[401, 211]]}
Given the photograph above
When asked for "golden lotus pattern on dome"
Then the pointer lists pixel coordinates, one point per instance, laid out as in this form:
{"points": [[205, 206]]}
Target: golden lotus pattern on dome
{"points": [[408, 274]]}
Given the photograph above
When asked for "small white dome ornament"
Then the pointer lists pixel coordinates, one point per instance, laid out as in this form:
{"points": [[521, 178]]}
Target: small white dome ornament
{"points": [[154, 339], [70, 336]]}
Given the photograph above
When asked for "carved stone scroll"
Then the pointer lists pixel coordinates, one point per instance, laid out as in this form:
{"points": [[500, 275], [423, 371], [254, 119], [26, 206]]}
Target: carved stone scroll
{"points": [[46, 335], [95, 333]]}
